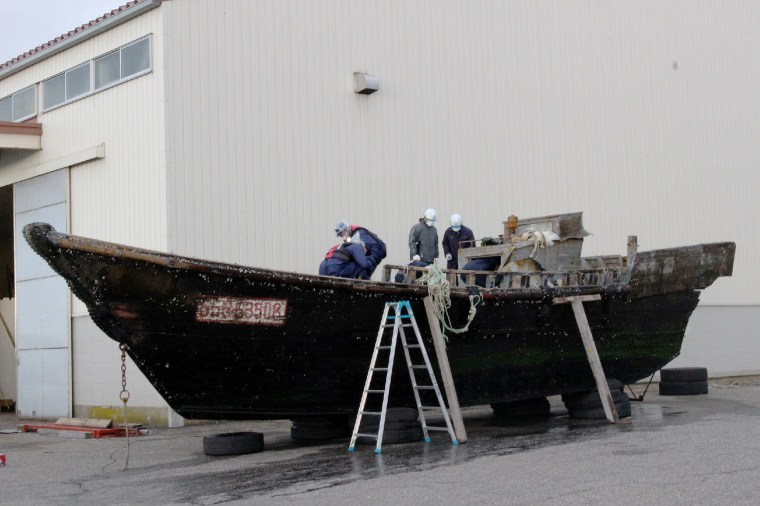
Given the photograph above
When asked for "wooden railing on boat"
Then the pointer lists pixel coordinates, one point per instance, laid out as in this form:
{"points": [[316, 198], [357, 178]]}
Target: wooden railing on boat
{"points": [[507, 280]]}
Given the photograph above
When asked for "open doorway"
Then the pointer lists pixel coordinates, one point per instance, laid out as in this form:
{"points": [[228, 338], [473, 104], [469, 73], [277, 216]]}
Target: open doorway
{"points": [[8, 373]]}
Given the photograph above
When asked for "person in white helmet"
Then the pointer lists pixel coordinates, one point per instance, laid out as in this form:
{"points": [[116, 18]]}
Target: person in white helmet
{"points": [[423, 239], [453, 238]]}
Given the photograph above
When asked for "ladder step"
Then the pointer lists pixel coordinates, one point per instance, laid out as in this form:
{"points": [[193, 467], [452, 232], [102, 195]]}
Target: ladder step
{"points": [[423, 387], [375, 391], [445, 429], [383, 348], [429, 408], [373, 413], [412, 345], [359, 434], [418, 367], [379, 369]]}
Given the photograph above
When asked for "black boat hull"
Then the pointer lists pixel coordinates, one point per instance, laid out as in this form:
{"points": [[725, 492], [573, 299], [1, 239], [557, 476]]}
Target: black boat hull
{"points": [[221, 341]]}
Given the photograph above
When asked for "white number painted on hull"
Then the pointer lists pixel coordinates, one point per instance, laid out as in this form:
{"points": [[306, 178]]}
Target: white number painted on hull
{"points": [[240, 310]]}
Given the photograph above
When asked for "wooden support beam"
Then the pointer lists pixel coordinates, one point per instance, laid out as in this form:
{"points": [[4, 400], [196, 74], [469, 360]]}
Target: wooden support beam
{"points": [[446, 377], [591, 353], [7, 331], [96, 423]]}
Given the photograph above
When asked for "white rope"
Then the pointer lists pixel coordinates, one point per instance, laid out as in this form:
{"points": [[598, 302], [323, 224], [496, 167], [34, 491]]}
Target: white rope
{"points": [[439, 291], [541, 240]]}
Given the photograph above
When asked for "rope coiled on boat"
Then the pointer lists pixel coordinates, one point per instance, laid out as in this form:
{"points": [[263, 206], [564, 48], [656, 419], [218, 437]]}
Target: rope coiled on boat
{"points": [[439, 291]]}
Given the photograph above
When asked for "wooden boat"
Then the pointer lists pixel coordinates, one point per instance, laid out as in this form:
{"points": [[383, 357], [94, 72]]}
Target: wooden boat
{"points": [[222, 341]]}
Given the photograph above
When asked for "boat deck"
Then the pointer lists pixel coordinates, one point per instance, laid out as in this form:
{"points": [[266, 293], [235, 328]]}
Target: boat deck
{"points": [[582, 278]]}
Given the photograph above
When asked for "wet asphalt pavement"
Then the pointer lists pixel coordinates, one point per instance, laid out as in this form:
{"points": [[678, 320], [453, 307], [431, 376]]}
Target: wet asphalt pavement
{"points": [[673, 450]]}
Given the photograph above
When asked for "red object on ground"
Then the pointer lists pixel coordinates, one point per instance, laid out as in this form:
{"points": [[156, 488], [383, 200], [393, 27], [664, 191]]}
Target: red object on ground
{"points": [[2, 459], [96, 433]]}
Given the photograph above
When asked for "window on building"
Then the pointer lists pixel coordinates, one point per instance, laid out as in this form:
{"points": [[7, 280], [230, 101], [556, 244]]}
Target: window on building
{"points": [[106, 70], [78, 81], [6, 109], [71, 84], [54, 91], [135, 58], [19, 106]]}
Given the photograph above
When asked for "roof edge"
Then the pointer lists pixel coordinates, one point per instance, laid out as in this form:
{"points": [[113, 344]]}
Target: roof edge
{"points": [[87, 33]]}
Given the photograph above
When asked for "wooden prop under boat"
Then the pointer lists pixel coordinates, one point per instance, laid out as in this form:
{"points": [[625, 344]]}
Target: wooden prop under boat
{"points": [[223, 341]]}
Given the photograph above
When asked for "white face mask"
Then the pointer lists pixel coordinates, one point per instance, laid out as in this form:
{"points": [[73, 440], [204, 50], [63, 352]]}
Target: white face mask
{"points": [[429, 223], [456, 229]]}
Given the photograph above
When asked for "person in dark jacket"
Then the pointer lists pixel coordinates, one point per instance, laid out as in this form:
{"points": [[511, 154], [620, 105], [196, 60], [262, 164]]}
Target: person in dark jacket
{"points": [[347, 260], [376, 248], [401, 275], [423, 239], [452, 238], [481, 264]]}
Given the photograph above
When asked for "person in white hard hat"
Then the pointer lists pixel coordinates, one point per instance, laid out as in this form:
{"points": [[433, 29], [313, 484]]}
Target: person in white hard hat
{"points": [[453, 238], [423, 239]]}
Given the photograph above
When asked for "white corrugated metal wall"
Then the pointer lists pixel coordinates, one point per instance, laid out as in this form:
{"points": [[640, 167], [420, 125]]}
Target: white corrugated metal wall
{"points": [[642, 115], [122, 196]]}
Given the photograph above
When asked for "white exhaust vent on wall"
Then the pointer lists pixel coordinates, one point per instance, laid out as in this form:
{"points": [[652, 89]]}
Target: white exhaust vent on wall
{"points": [[366, 84]]}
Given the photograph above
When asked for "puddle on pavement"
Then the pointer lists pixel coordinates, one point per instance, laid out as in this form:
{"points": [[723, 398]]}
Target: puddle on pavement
{"points": [[330, 464], [333, 465]]}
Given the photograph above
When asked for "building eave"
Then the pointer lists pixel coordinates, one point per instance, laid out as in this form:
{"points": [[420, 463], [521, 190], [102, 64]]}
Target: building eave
{"points": [[27, 136]]}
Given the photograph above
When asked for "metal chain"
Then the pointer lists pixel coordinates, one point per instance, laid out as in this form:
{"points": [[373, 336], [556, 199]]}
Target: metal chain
{"points": [[124, 396]]}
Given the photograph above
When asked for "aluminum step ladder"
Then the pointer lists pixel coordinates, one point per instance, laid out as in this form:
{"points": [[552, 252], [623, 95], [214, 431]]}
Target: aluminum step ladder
{"points": [[397, 318]]}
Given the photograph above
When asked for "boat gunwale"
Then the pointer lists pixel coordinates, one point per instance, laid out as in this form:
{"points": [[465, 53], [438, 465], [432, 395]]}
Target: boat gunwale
{"points": [[45, 232], [113, 250]]}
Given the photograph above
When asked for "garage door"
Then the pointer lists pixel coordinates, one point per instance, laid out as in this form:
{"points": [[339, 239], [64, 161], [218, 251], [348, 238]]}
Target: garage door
{"points": [[43, 328]]}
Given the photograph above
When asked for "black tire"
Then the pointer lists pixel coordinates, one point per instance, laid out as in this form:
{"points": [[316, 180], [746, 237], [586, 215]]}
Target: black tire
{"points": [[399, 416], [623, 410], [683, 387], [396, 419], [402, 414], [233, 443], [527, 407], [592, 400], [321, 421], [373, 427], [613, 384], [683, 374], [395, 437]]}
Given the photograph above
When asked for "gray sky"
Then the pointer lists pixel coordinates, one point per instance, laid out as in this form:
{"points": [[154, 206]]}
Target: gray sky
{"points": [[27, 24]]}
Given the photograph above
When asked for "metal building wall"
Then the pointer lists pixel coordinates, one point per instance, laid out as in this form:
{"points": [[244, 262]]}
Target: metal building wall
{"points": [[119, 197], [643, 115]]}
